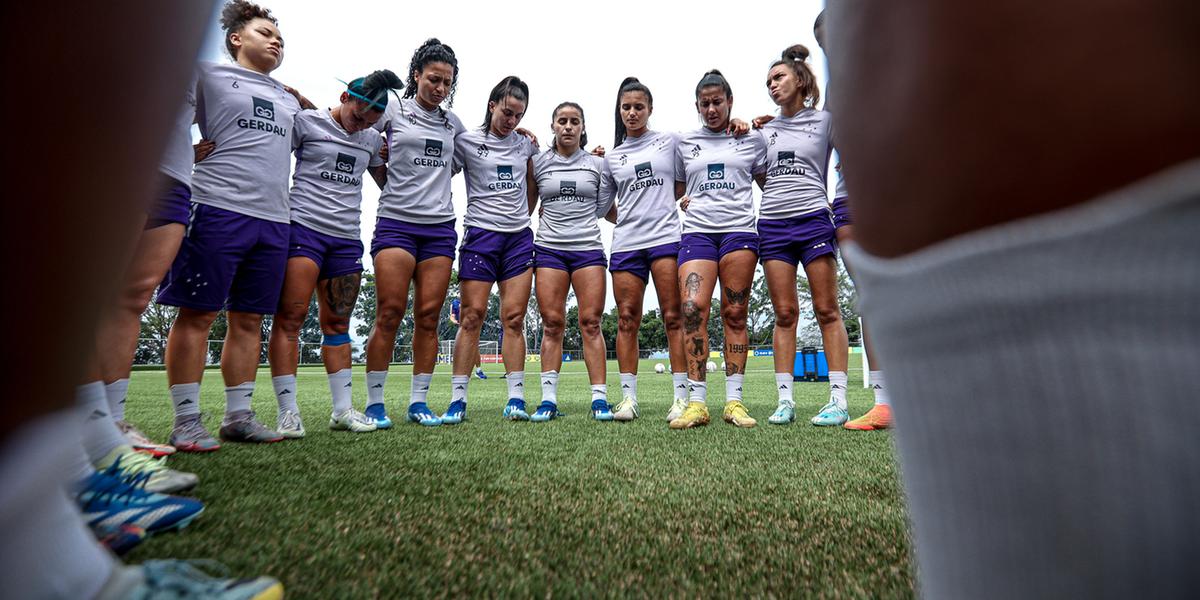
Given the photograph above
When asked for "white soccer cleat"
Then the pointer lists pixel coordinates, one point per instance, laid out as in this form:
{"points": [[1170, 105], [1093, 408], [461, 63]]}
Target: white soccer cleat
{"points": [[627, 410], [677, 408], [289, 425], [352, 420]]}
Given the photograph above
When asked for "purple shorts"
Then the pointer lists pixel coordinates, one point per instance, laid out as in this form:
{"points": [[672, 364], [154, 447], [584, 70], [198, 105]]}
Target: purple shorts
{"points": [[423, 241], [173, 205], [841, 213], [638, 261], [335, 256], [798, 240], [714, 246], [494, 255], [567, 260], [228, 260]]}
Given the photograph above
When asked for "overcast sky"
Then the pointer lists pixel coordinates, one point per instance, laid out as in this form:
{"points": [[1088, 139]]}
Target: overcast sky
{"points": [[578, 51]]}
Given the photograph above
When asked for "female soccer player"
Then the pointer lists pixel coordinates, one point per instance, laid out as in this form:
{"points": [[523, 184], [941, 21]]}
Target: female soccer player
{"points": [[414, 233], [568, 254], [497, 245], [795, 228], [333, 150], [235, 252], [719, 242]]}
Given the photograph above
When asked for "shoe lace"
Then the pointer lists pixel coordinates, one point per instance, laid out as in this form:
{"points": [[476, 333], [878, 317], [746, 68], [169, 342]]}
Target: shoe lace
{"points": [[289, 420], [194, 428], [114, 489]]}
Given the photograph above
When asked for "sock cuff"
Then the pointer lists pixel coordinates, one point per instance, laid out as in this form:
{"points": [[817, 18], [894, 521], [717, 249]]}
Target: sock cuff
{"points": [[284, 379], [460, 378], [245, 385], [185, 387]]}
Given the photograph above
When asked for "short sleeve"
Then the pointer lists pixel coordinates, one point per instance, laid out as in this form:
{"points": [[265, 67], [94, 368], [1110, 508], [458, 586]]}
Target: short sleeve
{"points": [[376, 145], [299, 130], [389, 114], [680, 169], [608, 190], [760, 153]]}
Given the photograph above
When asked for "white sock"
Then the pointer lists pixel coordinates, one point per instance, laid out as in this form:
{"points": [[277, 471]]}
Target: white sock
{"points": [[550, 387], [784, 383], [340, 388], [48, 551], [600, 392], [116, 393], [680, 381], [238, 397], [733, 388], [881, 396], [375, 381], [420, 388], [186, 398], [697, 391], [629, 385], [458, 387], [837, 388], [100, 433], [516, 384], [285, 392]]}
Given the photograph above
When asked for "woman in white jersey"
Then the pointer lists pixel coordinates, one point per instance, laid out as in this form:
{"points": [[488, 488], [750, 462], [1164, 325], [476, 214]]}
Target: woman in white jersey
{"points": [[795, 227], [333, 149], [568, 254], [235, 253], [414, 231], [716, 171], [497, 245]]}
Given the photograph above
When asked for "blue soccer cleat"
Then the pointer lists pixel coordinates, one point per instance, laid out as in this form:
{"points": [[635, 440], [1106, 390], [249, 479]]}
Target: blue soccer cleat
{"points": [[480, 374], [831, 415], [378, 413], [784, 414], [515, 410], [418, 412], [601, 411], [546, 411], [456, 413], [107, 503]]}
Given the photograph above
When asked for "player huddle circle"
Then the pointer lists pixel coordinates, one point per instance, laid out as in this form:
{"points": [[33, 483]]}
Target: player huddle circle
{"points": [[682, 205]]}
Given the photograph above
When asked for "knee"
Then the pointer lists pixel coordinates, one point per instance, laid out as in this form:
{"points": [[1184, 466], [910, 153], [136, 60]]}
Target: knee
{"points": [[136, 296], [553, 324], [734, 316], [470, 319], [246, 324], [426, 319], [189, 319], [514, 322], [388, 316], [786, 316], [828, 314], [628, 320], [335, 326], [589, 325], [695, 315], [672, 320]]}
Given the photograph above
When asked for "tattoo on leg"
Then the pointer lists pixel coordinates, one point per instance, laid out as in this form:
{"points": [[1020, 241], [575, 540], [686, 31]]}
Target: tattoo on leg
{"points": [[692, 284], [738, 297], [342, 293], [691, 317], [734, 369], [698, 347]]}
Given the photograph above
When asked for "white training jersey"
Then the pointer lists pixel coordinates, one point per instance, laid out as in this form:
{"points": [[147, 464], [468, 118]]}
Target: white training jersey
{"points": [[249, 117], [420, 148], [798, 149], [569, 192], [179, 156], [495, 170], [331, 165], [718, 170], [839, 182], [640, 175]]}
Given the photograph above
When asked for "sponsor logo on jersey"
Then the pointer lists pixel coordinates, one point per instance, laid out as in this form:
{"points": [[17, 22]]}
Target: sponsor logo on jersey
{"points": [[716, 179], [785, 165], [786, 158], [433, 148], [263, 109], [345, 163], [645, 177], [504, 172], [716, 171], [566, 188], [643, 170]]}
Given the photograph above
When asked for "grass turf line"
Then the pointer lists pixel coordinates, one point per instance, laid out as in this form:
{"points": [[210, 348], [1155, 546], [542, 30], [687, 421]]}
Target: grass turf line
{"points": [[567, 508]]}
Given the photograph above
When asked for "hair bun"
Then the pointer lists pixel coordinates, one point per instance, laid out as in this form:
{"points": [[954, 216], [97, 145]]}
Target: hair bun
{"points": [[796, 52], [714, 72]]}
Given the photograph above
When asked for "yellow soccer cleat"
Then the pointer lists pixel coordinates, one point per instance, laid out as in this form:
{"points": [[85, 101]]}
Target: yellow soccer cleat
{"points": [[736, 415], [695, 415]]}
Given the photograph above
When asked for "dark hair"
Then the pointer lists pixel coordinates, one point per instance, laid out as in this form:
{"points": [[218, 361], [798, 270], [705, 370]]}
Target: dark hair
{"points": [[433, 50], [374, 88], [582, 119], [234, 17], [630, 84], [796, 57], [711, 78], [511, 87]]}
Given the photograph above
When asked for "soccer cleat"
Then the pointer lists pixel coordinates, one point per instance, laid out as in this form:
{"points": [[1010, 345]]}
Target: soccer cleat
{"points": [[241, 426], [831, 415], [455, 413], [378, 413], [352, 420], [879, 417], [130, 465], [480, 374], [546, 411], [784, 414], [695, 415], [184, 579], [418, 412], [677, 408], [141, 442], [515, 410], [626, 410], [289, 425], [121, 538], [107, 502], [601, 410], [736, 414], [190, 435]]}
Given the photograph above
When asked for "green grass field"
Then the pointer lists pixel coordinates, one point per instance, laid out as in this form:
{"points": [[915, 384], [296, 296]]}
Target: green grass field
{"points": [[567, 508]]}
